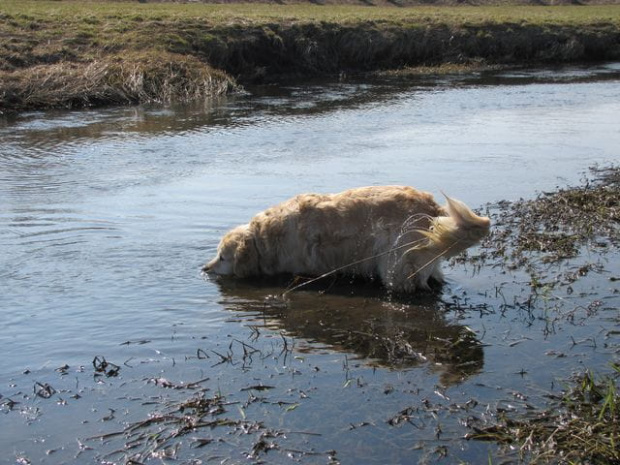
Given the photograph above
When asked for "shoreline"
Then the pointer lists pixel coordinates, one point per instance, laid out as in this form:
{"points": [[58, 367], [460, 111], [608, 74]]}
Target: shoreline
{"points": [[123, 54], [547, 238]]}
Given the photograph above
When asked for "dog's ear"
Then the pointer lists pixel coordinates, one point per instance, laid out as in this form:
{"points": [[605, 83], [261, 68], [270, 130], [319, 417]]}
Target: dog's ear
{"points": [[246, 257]]}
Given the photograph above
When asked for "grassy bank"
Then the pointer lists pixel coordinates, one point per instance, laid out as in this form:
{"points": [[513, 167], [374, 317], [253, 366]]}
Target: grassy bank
{"points": [[73, 54]]}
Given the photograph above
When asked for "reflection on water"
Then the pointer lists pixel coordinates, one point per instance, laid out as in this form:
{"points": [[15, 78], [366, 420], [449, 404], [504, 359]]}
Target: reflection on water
{"points": [[270, 103], [365, 322], [39, 132]]}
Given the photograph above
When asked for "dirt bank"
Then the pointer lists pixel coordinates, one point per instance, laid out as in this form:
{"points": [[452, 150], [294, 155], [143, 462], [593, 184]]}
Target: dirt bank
{"points": [[76, 55]]}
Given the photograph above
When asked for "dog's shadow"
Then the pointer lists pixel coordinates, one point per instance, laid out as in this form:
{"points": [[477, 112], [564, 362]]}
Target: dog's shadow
{"points": [[361, 318]]}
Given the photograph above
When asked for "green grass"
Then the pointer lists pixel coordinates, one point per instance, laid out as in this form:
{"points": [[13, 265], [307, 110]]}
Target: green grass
{"points": [[108, 13], [40, 31]]}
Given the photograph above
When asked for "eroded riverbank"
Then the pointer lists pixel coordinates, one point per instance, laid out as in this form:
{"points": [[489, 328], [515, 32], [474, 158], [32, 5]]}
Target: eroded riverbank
{"points": [[73, 54]]}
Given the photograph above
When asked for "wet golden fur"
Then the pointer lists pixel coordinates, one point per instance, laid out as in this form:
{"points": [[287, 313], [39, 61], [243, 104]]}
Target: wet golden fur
{"points": [[393, 233]]}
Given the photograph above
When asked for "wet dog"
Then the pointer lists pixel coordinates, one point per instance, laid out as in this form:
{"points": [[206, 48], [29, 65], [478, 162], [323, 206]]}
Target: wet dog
{"points": [[396, 234]]}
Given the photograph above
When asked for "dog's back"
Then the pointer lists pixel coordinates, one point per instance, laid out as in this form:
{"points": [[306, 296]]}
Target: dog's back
{"points": [[313, 234], [394, 233]]}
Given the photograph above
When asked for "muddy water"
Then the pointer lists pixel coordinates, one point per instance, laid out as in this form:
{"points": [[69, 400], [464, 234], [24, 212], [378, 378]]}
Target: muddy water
{"points": [[106, 217]]}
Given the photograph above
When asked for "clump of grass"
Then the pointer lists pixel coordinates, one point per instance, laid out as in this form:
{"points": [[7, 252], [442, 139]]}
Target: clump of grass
{"points": [[438, 70], [582, 426], [113, 80]]}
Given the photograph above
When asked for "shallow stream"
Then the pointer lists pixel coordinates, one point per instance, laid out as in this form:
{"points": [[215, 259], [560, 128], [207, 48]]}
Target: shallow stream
{"points": [[106, 217]]}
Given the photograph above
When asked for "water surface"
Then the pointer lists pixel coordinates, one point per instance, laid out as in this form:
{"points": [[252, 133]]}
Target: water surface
{"points": [[107, 215]]}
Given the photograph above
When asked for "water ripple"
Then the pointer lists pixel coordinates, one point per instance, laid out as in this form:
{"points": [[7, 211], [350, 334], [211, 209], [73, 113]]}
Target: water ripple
{"points": [[105, 211]]}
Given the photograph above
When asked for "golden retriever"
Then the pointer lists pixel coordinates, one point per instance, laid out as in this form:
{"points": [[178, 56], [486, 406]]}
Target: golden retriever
{"points": [[396, 234]]}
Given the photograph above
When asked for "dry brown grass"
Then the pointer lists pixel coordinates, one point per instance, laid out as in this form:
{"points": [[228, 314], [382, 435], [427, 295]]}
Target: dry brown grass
{"points": [[136, 78], [554, 226], [583, 426]]}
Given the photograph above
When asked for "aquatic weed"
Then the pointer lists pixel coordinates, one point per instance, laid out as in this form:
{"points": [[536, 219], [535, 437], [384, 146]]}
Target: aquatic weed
{"points": [[582, 426], [554, 227]]}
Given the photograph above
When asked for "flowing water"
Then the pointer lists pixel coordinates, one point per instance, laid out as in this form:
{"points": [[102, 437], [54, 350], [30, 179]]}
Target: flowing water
{"points": [[106, 217]]}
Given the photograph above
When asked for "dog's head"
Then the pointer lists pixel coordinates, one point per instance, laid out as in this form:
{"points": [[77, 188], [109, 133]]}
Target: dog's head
{"points": [[236, 255], [458, 229], [471, 227]]}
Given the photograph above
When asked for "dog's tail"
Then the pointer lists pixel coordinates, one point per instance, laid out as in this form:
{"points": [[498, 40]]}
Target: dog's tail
{"points": [[459, 229]]}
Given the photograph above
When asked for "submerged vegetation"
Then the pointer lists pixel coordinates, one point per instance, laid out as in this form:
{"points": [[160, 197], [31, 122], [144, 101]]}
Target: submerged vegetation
{"points": [[557, 224], [72, 54], [539, 237], [582, 426]]}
